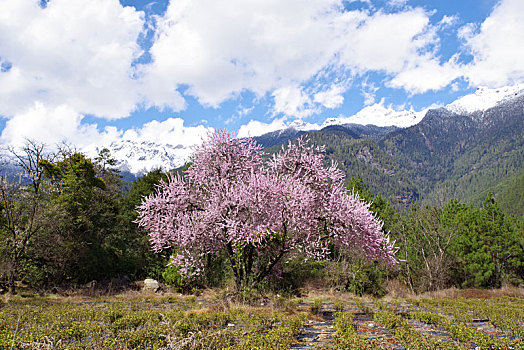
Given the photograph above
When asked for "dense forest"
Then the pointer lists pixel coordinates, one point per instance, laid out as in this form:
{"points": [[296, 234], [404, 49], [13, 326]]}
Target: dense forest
{"points": [[67, 220]]}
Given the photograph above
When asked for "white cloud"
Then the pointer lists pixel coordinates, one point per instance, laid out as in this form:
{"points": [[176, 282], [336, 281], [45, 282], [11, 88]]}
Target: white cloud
{"points": [[497, 46], [368, 91], [256, 128], [170, 131], [62, 124], [331, 98], [383, 42], [220, 48], [448, 21], [426, 75], [75, 53], [75, 58], [240, 113], [404, 45], [55, 125], [216, 49], [397, 3], [292, 101]]}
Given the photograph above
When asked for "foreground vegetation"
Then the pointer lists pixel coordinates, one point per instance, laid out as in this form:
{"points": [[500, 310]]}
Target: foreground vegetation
{"points": [[140, 322], [67, 221], [213, 321]]}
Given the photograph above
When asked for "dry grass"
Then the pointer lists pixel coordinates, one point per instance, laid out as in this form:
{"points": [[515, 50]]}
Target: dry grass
{"points": [[221, 299], [395, 289], [505, 291]]}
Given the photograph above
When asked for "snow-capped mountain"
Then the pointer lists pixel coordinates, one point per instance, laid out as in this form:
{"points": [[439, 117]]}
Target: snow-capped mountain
{"points": [[301, 125], [377, 115], [255, 128], [380, 115], [485, 98], [385, 116], [141, 157]]}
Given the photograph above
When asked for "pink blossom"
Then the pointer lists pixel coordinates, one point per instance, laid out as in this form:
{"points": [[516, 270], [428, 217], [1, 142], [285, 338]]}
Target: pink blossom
{"points": [[231, 201]]}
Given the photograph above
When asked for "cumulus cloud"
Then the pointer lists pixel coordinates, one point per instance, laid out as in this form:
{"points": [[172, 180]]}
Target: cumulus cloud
{"points": [[426, 75], [331, 98], [384, 42], [256, 128], [219, 48], [53, 126], [170, 131], [215, 50], [497, 46], [292, 101], [75, 53], [74, 58]]}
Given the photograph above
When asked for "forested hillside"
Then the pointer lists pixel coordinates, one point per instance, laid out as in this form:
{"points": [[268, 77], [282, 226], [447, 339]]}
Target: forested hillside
{"points": [[461, 156], [445, 156], [510, 193], [366, 158], [67, 220]]}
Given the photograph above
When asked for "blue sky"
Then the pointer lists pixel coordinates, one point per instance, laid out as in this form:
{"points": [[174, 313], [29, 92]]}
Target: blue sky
{"points": [[90, 72]]}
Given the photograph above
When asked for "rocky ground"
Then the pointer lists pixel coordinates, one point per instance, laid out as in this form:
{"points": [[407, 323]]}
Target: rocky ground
{"points": [[319, 331]]}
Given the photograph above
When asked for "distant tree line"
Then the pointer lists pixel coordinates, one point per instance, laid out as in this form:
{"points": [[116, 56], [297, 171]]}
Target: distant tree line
{"points": [[67, 220]]}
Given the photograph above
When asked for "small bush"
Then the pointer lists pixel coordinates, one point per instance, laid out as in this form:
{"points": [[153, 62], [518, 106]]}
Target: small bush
{"points": [[296, 273], [316, 306], [173, 278], [338, 306]]}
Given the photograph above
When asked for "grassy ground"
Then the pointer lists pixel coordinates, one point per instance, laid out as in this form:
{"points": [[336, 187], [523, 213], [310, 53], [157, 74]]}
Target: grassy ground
{"points": [[135, 321], [213, 321]]}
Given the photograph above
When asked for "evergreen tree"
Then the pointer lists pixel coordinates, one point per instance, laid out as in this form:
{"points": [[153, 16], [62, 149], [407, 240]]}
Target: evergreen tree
{"points": [[488, 247], [136, 256], [85, 217]]}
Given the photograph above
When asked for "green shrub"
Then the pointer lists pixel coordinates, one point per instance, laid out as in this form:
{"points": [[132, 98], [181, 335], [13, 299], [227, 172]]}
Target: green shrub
{"points": [[173, 278], [295, 273], [316, 306], [338, 306], [346, 337], [366, 279]]}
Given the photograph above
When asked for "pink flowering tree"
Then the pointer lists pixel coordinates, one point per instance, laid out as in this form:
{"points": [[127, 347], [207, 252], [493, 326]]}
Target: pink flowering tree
{"points": [[258, 212]]}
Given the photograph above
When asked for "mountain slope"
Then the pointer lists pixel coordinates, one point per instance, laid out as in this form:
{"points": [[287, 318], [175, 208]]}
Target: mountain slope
{"points": [[462, 151], [447, 155], [496, 154], [462, 156], [356, 131], [139, 158], [365, 157], [510, 194]]}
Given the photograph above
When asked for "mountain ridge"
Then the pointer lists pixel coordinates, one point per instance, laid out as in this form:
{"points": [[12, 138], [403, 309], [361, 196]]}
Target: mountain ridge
{"points": [[141, 157]]}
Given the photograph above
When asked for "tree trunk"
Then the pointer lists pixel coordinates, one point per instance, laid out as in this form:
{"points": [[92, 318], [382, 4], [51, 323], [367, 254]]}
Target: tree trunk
{"points": [[11, 280], [238, 282]]}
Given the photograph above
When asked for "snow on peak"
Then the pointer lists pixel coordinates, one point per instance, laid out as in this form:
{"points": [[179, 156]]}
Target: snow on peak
{"points": [[140, 157], [256, 128], [485, 98], [301, 125], [380, 115]]}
